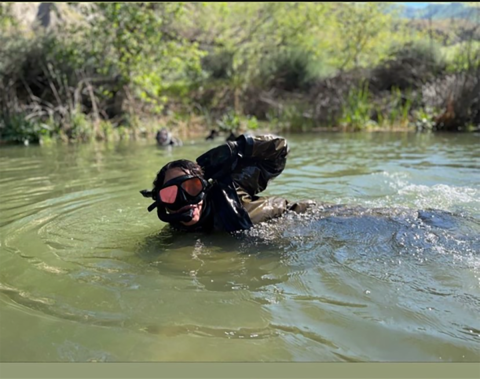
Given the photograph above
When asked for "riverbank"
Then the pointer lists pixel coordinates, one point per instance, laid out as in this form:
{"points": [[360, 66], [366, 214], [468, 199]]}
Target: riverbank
{"points": [[95, 78], [197, 128]]}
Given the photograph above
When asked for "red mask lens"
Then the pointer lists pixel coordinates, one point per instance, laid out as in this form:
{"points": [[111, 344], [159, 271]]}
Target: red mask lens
{"points": [[193, 186], [168, 194]]}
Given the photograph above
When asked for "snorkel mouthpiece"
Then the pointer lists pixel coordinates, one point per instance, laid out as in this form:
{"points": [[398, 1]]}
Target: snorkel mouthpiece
{"points": [[185, 216]]}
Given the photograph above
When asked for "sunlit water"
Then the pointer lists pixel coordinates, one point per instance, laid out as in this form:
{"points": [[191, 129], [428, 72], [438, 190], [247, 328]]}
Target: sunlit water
{"points": [[371, 274]]}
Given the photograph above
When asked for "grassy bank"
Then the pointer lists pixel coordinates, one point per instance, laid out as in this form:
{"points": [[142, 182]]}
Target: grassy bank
{"points": [[115, 70]]}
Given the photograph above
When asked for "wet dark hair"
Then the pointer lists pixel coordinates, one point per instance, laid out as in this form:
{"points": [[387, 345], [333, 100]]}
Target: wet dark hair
{"points": [[183, 164]]}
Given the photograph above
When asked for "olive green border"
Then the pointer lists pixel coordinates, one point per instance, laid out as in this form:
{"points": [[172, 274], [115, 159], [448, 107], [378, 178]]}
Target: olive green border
{"points": [[240, 370]]}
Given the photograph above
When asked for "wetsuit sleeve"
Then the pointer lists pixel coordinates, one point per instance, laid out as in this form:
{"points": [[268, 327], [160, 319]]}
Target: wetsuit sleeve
{"points": [[262, 158], [265, 208], [251, 162]]}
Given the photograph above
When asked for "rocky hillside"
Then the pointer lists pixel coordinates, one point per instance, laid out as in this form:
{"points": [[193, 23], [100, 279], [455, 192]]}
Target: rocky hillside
{"points": [[442, 12]]}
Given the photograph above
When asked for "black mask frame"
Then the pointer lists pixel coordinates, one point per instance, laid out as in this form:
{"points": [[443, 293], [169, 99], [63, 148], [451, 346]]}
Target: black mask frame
{"points": [[183, 198]]}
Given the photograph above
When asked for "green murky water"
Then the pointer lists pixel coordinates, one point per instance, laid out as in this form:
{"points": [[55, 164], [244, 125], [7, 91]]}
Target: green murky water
{"points": [[87, 274]]}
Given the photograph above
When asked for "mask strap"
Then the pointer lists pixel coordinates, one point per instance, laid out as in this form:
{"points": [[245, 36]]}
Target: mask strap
{"points": [[147, 193]]}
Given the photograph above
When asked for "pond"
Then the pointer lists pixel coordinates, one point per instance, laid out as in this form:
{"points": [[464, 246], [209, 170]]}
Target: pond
{"points": [[385, 268]]}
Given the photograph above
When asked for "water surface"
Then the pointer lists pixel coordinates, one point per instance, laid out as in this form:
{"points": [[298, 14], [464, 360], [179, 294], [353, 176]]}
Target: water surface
{"points": [[371, 274]]}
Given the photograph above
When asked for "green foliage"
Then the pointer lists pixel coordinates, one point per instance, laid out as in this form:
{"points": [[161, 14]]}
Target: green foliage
{"points": [[119, 62], [123, 133], [137, 41], [464, 56], [251, 122], [233, 122], [363, 29], [20, 128], [7, 20], [80, 127], [247, 34], [293, 69], [402, 104], [409, 65], [218, 64], [357, 109], [425, 120], [291, 117]]}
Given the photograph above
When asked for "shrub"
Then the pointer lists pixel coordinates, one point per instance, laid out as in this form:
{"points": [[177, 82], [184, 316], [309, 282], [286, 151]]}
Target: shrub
{"points": [[408, 67], [292, 69]]}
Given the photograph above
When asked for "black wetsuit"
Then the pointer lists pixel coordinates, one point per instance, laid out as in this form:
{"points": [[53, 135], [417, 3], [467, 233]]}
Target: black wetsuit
{"points": [[240, 171]]}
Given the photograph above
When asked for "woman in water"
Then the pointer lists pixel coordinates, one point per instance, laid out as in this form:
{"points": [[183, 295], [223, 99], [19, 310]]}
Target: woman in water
{"points": [[219, 191]]}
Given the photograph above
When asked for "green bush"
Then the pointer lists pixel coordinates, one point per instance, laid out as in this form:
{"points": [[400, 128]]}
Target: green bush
{"points": [[218, 64], [292, 69], [408, 66], [21, 129]]}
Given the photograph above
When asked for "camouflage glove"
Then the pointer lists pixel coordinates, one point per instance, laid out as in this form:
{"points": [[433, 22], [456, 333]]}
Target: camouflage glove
{"points": [[220, 161]]}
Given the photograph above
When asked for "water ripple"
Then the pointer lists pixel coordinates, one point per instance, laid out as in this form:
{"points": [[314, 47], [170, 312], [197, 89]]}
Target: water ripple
{"points": [[391, 250]]}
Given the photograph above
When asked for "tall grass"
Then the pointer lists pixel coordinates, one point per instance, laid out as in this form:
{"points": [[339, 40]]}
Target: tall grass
{"points": [[356, 113]]}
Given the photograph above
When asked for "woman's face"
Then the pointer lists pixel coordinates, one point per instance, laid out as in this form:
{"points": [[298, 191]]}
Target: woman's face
{"points": [[197, 208]]}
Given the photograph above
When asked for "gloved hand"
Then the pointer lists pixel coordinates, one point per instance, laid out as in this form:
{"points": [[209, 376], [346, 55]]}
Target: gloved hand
{"points": [[220, 161]]}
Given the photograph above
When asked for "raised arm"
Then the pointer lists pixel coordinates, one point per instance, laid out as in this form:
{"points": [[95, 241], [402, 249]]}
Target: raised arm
{"points": [[251, 161], [264, 158]]}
